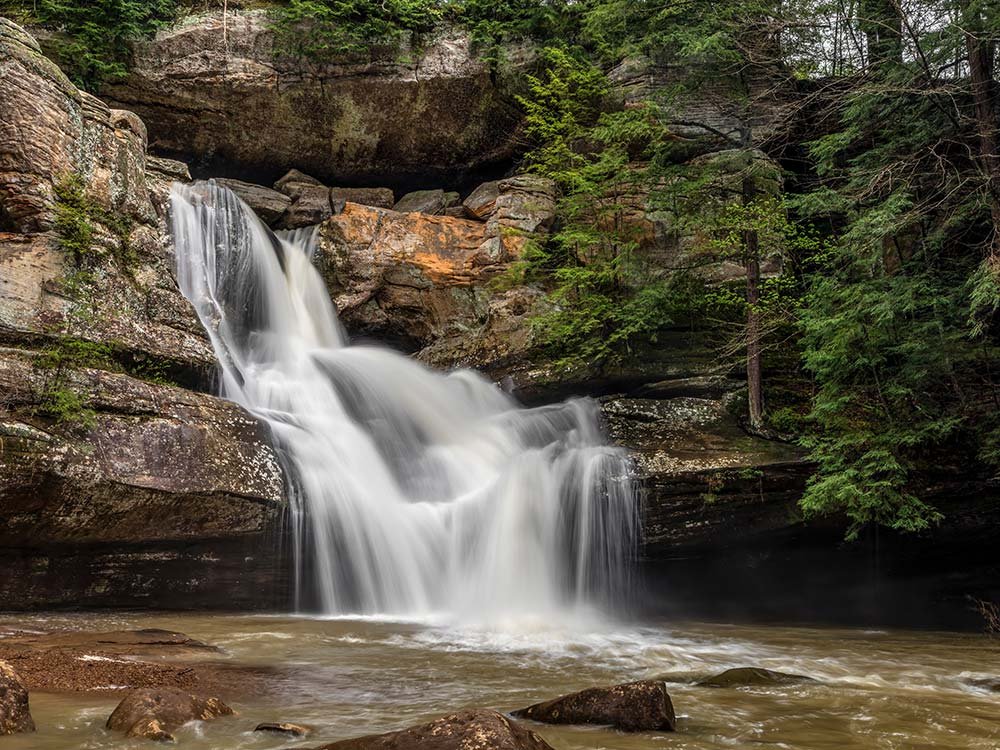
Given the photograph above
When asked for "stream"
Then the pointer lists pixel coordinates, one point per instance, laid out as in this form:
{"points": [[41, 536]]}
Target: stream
{"points": [[347, 677]]}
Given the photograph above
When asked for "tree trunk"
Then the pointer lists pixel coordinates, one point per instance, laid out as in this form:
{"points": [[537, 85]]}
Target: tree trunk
{"points": [[882, 24], [751, 249], [981, 51]]}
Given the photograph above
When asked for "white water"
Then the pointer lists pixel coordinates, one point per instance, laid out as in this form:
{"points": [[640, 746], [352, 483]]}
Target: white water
{"points": [[414, 492]]}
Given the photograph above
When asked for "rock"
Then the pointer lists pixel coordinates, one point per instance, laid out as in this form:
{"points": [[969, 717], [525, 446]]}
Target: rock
{"points": [[313, 204], [475, 729], [80, 661], [51, 130], [154, 713], [432, 111], [422, 201], [524, 203], [375, 197], [269, 205], [143, 491], [15, 715], [293, 730], [412, 278], [168, 169], [482, 201], [753, 677], [452, 200], [289, 184], [632, 707]]}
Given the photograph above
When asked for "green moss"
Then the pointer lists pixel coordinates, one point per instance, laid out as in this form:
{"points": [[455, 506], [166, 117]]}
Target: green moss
{"points": [[77, 219]]}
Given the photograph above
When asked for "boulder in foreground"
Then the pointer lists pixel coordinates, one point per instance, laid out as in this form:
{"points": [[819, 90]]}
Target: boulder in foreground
{"points": [[632, 707], [15, 716], [154, 713], [753, 677], [465, 730]]}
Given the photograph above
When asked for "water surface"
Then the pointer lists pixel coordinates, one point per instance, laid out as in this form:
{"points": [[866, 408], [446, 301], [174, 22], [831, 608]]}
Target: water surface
{"points": [[876, 689]]}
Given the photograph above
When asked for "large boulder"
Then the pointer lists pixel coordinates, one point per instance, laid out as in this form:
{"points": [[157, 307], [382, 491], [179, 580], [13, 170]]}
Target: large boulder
{"points": [[15, 715], [422, 201], [411, 278], [465, 730], [215, 85], [153, 713], [632, 707]]}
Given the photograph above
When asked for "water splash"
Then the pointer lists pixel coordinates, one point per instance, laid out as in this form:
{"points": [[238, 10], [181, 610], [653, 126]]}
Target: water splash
{"points": [[412, 491]]}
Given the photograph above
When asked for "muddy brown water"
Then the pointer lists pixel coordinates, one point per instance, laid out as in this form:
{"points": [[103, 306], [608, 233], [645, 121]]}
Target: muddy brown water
{"points": [[345, 677]]}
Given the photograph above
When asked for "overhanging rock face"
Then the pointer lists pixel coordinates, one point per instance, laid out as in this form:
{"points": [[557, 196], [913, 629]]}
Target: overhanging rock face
{"points": [[216, 88]]}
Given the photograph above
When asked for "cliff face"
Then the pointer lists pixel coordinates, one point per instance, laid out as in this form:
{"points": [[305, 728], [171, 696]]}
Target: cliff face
{"points": [[216, 88], [109, 475]]}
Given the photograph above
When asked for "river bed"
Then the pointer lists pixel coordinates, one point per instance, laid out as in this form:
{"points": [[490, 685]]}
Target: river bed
{"points": [[348, 677]]}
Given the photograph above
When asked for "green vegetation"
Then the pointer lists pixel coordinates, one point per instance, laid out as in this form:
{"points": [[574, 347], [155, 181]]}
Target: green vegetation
{"points": [[339, 30], [93, 36], [77, 220], [59, 399]]}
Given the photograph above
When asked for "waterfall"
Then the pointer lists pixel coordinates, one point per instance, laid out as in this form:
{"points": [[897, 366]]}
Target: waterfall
{"points": [[412, 491]]}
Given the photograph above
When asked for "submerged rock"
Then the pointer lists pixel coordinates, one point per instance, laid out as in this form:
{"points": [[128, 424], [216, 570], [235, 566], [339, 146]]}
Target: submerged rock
{"points": [[283, 727], [632, 707], [15, 715], [81, 662], [753, 677], [475, 729], [154, 713]]}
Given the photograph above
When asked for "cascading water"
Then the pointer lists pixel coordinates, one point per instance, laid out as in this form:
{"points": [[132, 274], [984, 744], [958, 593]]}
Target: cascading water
{"points": [[413, 491]]}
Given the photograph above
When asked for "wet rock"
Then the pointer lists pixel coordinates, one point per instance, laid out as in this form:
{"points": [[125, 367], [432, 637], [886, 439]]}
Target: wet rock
{"points": [[422, 201], [466, 730], [753, 677], [15, 715], [154, 713], [215, 84], [293, 730], [98, 662], [632, 707], [268, 204], [375, 197]]}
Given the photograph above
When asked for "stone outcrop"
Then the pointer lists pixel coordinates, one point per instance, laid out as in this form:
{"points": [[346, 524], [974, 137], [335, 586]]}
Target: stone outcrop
{"points": [[15, 714], [84, 662], [425, 282], [214, 85], [153, 713], [117, 485], [465, 730], [632, 707]]}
